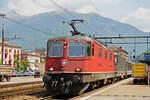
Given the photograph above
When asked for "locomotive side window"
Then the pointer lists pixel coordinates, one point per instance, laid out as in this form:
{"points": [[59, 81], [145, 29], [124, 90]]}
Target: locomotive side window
{"points": [[92, 49], [55, 49], [88, 49], [99, 52], [76, 49], [105, 54], [110, 57]]}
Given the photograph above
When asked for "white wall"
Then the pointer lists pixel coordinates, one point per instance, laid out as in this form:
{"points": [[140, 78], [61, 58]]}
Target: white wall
{"points": [[33, 58], [10, 54]]}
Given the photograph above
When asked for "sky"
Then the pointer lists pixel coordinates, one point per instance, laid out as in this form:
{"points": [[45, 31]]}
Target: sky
{"points": [[134, 12]]}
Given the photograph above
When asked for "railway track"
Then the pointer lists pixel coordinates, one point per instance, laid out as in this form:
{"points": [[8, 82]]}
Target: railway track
{"points": [[26, 91], [32, 90], [9, 90]]}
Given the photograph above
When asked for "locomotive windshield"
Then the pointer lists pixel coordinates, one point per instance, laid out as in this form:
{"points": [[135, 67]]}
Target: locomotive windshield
{"points": [[76, 49], [55, 49]]}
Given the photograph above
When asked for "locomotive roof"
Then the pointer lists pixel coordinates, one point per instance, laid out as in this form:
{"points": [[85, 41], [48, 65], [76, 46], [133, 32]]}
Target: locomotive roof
{"points": [[78, 37]]}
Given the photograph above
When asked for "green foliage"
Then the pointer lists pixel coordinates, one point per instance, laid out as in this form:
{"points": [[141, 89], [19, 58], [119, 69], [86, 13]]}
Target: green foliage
{"points": [[0, 61], [21, 66], [18, 68], [35, 65], [17, 61], [36, 61], [25, 63]]}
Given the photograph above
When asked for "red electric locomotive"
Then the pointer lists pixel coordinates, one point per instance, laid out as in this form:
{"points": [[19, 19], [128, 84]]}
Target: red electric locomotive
{"points": [[75, 63]]}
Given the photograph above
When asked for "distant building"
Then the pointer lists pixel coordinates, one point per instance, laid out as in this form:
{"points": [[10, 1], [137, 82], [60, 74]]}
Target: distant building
{"points": [[119, 51], [32, 57], [42, 53], [11, 52]]}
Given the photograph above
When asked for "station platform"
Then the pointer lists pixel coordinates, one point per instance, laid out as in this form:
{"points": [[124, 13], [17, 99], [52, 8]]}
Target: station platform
{"points": [[21, 80], [119, 91]]}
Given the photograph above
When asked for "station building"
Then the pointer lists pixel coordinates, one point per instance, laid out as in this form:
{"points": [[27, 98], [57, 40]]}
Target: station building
{"points": [[11, 52], [30, 56], [35, 58]]}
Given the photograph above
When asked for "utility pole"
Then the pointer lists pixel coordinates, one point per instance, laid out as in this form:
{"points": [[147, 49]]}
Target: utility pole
{"points": [[134, 50], [3, 39], [147, 45], [2, 43], [2, 53]]}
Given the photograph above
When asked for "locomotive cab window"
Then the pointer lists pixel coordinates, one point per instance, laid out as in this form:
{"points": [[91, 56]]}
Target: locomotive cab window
{"points": [[92, 49], [88, 49], [55, 49], [76, 49], [105, 54], [110, 56], [99, 52]]}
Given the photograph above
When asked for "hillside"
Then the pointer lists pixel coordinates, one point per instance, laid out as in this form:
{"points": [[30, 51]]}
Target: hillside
{"points": [[51, 24]]}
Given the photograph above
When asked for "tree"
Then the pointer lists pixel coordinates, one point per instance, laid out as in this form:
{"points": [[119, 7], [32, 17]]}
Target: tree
{"points": [[0, 61], [18, 64], [25, 63], [36, 61]]}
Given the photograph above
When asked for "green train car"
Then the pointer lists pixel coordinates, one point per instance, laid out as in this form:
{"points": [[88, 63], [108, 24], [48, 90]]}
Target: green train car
{"points": [[123, 66]]}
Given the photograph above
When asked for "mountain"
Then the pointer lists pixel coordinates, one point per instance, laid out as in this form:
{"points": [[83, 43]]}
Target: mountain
{"points": [[50, 24]]}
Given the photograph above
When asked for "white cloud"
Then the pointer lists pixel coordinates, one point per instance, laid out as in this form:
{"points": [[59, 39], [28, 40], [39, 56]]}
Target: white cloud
{"points": [[81, 3], [86, 9], [107, 1], [140, 18], [31, 7]]}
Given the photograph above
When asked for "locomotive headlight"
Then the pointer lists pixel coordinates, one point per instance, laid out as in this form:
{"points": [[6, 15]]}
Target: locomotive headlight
{"points": [[77, 69], [51, 69]]}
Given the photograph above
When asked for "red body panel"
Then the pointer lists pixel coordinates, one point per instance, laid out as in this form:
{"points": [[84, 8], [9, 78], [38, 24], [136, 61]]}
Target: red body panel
{"points": [[86, 64]]}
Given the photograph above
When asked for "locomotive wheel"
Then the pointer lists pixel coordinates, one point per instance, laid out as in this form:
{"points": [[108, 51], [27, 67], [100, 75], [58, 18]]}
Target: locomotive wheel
{"points": [[47, 88], [84, 87], [67, 90], [8, 78]]}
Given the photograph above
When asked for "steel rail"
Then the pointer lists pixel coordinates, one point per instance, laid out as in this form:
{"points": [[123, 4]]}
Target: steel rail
{"points": [[19, 90]]}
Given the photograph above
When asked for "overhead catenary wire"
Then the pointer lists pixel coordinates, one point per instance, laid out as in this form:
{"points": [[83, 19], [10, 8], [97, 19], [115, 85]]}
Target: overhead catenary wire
{"points": [[25, 25], [39, 29], [67, 11], [98, 11], [92, 4]]}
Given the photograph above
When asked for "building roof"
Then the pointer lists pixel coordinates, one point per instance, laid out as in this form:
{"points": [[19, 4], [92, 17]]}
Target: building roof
{"points": [[40, 51], [116, 49], [119, 51], [8, 44], [30, 53]]}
